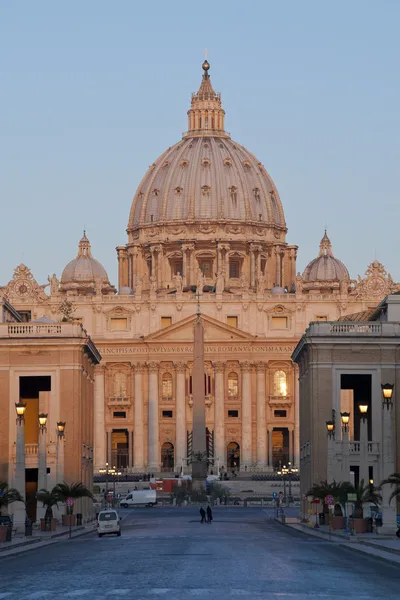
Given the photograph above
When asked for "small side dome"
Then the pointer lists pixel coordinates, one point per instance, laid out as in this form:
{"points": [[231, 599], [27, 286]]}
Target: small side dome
{"points": [[325, 270], [84, 273]]}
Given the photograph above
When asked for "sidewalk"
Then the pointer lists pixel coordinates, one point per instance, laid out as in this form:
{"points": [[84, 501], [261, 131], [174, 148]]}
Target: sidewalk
{"points": [[379, 546], [20, 543]]}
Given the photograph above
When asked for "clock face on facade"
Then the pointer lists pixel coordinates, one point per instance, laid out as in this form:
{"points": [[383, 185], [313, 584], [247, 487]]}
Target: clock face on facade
{"points": [[22, 288], [376, 286]]}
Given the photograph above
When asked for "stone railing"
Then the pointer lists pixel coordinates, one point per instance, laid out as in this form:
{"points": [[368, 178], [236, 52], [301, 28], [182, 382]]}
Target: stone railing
{"points": [[119, 401], [30, 450], [41, 330], [280, 400], [353, 329], [354, 447]]}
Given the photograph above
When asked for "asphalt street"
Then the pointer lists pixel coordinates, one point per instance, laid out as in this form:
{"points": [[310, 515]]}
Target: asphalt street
{"points": [[166, 553]]}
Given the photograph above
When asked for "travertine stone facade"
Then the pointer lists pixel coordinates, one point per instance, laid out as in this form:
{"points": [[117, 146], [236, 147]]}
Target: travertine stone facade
{"points": [[206, 226], [56, 362]]}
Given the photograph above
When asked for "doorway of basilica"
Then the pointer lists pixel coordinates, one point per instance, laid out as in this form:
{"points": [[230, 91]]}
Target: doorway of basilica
{"points": [[233, 456], [167, 457]]}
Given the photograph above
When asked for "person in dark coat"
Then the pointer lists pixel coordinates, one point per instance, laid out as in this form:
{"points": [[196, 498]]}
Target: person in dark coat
{"points": [[203, 515], [209, 514]]}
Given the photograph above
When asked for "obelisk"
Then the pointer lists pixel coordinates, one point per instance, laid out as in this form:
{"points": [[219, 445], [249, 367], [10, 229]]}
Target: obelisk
{"points": [[199, 460]]}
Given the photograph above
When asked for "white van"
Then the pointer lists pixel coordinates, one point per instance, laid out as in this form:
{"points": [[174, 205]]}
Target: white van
{"points": [[140, 497], [108, 522]]}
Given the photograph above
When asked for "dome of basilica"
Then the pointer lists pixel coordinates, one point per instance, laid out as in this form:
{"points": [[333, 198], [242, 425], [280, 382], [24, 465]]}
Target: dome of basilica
{"points": [[84, 270], [325, 268], [206, 176]]}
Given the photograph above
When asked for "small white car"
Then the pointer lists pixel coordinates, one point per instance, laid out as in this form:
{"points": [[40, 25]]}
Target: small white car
{"points": [[108, 521]]}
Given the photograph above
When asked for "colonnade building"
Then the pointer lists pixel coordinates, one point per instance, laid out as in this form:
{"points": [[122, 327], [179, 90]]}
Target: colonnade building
{"points": [[206, 229]]}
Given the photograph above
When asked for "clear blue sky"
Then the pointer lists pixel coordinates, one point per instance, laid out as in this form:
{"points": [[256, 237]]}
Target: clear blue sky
{"points": [[92, 92]]}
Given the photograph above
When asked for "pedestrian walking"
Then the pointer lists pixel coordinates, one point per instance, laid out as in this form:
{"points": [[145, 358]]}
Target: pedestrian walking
{"points": [[209, 514], [203, 515]]}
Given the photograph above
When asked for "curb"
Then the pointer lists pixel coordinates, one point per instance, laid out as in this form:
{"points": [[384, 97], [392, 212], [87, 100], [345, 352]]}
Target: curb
{"points": [[40, 542], [384, 559]]}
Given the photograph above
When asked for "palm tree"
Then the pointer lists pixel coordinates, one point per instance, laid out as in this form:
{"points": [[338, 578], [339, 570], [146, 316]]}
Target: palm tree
{"points": [[337, 489], [393, 480], [364, 494], [49, 499], [8, 495], [75, 490]]}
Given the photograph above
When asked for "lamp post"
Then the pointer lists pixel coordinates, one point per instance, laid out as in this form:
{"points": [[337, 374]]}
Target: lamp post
{"points": [[364, 465], [19, 483], [389, 524], [345, 418], [42, 474], [330, 429], [282, 473], [60, 451]]}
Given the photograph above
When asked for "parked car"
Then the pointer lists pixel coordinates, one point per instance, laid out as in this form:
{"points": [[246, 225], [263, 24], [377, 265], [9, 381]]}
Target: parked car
{"points": [[108, 521]]}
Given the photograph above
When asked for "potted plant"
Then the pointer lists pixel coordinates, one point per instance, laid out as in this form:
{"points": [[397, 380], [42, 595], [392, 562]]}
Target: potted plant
{"points": [[364, 494], [75, 491], [7, 497], [48, 499], [319, 491]]}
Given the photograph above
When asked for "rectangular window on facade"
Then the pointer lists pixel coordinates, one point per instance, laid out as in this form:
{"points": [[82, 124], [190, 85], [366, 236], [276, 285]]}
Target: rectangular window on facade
{"points": [[279, 413], [167, 414], [119, 414], [321, 318], [25, 315], [118, 324], [206, 267], [166, 322], [279, 322], [232, 321], [177, 267], [234, 269], [233, 413]]}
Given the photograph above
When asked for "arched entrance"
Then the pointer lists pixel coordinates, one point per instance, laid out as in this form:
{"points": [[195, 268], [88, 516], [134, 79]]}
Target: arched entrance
{"points": [[167, 457], [233, 456]]}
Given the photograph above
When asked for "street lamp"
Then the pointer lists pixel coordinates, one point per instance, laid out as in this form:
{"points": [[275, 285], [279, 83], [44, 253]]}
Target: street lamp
{"points": [[345, 416], [363, 408], [387, 393], [60, 428], [42, 421], [20, 408], [330, 427]]}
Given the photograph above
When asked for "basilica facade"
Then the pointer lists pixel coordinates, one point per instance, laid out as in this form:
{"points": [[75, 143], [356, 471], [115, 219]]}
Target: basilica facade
{"points": [[206, 233]]}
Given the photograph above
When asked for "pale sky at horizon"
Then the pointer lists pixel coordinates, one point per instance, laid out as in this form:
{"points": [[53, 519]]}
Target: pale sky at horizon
{"points": [[93, 92]]}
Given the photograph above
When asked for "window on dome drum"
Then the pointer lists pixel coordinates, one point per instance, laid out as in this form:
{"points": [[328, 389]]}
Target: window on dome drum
{"points": [[167, 386], [280, 383], [321, 318], [279, 323], [263, 263], [206, 267], [233, 385], [166, 322], [167, 414], [233, 413], [279, 413], [234, 269], [119, 414], [118, 324], [232, 321]]}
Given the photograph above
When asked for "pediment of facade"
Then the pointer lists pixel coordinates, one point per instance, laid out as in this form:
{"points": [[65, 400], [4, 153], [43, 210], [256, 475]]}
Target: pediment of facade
{"points": [[213, 331]]}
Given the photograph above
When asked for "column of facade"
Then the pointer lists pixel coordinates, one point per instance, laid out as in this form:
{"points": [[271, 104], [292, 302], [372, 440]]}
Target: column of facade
{"points": [[219, 413], [246, 447], [291, 445], [278, 267], [154, 455], [99, 419], [261, 416], [296, 400], [364, 465], [138, 421], [270, 457], [388, 468], [180, 419], [252, 266]]}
